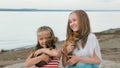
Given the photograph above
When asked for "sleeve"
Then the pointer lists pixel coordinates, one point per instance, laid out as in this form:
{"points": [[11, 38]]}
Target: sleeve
{"points": [[93, 45]]}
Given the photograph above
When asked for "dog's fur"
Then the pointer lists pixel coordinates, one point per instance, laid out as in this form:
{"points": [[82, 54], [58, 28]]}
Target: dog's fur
{"points": [[49, 45], [66, 54]]}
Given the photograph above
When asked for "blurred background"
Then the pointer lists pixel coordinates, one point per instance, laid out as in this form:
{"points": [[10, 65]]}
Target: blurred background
{"points": [[19, 20]]}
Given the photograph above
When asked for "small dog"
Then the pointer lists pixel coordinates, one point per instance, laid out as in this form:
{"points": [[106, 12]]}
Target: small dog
{"points": [[50, 45], [68, 47]]}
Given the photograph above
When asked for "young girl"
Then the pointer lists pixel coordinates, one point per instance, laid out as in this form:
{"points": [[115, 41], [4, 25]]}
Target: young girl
{"points": [[87, 52], [45, 48]]}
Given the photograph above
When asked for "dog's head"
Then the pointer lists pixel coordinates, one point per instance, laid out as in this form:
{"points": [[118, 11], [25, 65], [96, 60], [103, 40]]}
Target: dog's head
{"points": [[69, 43]]}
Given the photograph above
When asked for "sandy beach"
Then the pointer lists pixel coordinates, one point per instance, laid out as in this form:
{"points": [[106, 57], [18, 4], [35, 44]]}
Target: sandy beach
{"points": [[109, 44], [105, 64]]}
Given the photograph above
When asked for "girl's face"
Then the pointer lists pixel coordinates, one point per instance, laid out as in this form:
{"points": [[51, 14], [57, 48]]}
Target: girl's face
{"points": [[43, 36], [73, 22]]}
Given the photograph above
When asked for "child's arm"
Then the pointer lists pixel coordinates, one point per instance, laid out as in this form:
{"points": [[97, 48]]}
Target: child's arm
{"points": [[52, 52], [64, 59], [32, 61], [93, 60]]}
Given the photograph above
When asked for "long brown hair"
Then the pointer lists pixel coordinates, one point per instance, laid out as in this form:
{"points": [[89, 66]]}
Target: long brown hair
{"points": [[84, 27]]}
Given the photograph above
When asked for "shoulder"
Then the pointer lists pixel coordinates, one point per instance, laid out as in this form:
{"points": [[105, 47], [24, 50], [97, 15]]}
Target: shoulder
{"points": [[91, 36], [92, 41]]}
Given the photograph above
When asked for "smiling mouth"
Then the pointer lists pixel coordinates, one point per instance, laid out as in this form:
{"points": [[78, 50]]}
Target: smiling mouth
{"points": [[74, 27]]}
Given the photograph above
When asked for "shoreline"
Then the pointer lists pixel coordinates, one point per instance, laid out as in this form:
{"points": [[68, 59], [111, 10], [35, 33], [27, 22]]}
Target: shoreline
{"points": [[109, 45]]}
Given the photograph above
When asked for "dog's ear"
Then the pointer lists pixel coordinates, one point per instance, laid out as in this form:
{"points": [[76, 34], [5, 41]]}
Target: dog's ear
{"points": [[65, 47]]}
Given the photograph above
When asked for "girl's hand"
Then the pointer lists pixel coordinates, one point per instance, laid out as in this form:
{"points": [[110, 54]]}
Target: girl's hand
{"points": [[59, 53], [39, 51], [73, 60], [45, 58]]}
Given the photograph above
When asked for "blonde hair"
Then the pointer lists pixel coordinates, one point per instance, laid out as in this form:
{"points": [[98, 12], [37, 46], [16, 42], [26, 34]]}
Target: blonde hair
{"points": [[52, 39]]}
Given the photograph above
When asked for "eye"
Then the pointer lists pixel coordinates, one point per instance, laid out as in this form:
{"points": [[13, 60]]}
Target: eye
{"points": [[74, 20], [40, 38], [47, 37]]}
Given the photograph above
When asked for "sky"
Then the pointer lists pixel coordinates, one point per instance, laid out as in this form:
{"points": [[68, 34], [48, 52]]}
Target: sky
{"points": [[11, 22], [62, 4]]}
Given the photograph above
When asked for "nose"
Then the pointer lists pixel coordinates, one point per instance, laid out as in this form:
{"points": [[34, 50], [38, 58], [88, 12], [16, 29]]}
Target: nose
{"points": [[44, 41], [71, 23]]}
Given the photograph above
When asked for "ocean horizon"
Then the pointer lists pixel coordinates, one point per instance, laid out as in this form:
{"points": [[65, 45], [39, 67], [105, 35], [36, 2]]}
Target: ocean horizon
{"points": [[18, 26], [53, 10]]}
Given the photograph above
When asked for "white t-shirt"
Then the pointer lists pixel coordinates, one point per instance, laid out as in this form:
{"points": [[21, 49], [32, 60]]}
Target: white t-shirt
{"points": [[91, 45]]}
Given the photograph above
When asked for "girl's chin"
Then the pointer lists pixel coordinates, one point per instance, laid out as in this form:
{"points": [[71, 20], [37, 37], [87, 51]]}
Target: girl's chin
{"points": [[43, 45], [75, 30]]}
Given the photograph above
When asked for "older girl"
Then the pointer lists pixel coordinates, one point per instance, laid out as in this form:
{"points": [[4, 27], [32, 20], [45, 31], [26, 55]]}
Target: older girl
{"points": [[87, 52]]}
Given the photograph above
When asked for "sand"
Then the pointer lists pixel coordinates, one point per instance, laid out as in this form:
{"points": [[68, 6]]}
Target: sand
{"points": [[109, 44], [105, 64]]}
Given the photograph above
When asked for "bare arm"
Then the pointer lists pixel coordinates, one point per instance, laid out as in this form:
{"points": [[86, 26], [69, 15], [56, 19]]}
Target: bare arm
{"points": [[94, 60], [32, 61], [52, 52], [64, 60]]}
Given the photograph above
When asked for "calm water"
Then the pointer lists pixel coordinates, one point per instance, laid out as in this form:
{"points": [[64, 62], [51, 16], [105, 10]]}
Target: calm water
{"points": [[18, 29]]}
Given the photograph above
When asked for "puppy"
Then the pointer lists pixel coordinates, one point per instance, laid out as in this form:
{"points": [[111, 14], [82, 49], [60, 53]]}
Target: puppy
{"points": [[68, 47]]}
